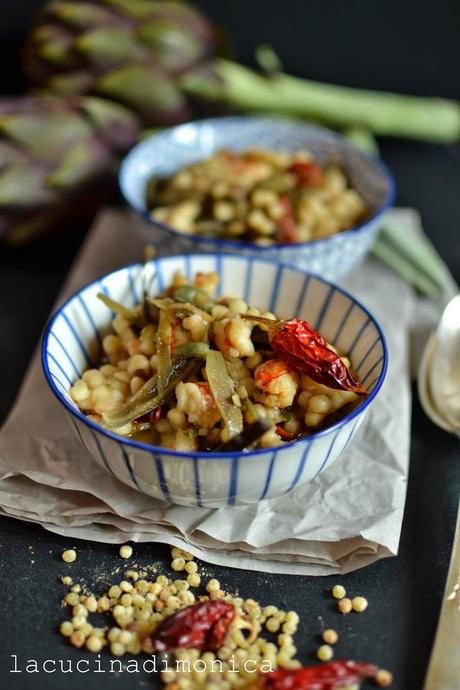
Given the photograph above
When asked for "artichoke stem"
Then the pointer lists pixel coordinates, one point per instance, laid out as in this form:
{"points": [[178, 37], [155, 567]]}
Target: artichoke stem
{"points": [[391, 114]]}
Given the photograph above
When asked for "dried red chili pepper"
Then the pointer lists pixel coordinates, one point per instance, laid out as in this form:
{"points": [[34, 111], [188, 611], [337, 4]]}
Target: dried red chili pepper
{"points": [[286, 223], [202, 626], [301, 347], [308, 173], [330, 676], [156, 414]]}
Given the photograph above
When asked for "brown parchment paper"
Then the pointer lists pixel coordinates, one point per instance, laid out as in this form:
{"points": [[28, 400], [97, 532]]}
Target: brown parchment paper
{"points": [[346, 518]]}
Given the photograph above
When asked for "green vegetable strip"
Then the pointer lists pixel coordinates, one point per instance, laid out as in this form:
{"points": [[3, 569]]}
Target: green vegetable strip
{"points": [[222, 390], [194, 295], [405, 267], [433, 119], [416, 249], [149, 397], [118, 308], [192, 350], [164, 336], [179, 307]]}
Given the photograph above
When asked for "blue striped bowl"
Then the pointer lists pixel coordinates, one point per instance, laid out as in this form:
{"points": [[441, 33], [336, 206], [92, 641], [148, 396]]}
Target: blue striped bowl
{"points": [[71, 344], [166, 152]]}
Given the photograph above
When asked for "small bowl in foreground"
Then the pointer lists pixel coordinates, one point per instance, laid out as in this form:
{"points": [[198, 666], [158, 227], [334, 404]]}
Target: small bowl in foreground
{"points": [[165, 153], [215, 479]]}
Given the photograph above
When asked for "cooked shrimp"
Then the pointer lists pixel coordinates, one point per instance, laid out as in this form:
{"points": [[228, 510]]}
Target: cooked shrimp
{"points": [[233, 337], [197, 402], [277, 384]]}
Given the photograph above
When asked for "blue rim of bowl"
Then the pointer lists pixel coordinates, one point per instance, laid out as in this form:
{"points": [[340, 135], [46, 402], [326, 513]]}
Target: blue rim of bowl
{"points": [[235, 245], [211, 455]]}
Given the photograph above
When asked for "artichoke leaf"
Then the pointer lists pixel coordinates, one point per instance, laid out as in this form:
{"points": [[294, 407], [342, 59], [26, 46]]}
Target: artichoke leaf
{"points": [[143, 88], [79, 14], [46, 135], [115, 123], [22, 185], [56, 49], [10, 154], [82, 162], [133, 8], [71, 83], [172, 46], [108, 45]]}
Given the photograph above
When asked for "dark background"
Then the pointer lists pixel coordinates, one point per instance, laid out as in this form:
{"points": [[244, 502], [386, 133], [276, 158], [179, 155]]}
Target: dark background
{"points": [[410, 47]]}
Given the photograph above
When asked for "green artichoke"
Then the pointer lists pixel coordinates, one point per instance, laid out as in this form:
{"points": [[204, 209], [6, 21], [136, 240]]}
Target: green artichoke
{"points": [[57, 159], [158, 58], [131, 51]]}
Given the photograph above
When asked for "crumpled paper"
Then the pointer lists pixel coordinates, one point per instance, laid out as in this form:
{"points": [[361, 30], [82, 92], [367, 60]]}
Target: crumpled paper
{"points": [[348, 517]]}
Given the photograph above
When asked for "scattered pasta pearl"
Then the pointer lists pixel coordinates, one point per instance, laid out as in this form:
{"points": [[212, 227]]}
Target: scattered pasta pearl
{"points": [[339, 592], [272, 625], [126, 551], [117, 649], [69, 556], [359, 604], [325, 652], [94, 644], [66, 629], [77, 639], [344, 605], [213, 584], [191, 567], [194, 580], [330, 636], [126, 586], [180, 553], [383, 678], [178, 564], [72, 599]]}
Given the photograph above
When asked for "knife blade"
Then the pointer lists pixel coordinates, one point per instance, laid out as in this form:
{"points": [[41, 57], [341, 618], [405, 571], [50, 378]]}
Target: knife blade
{"points": [[444, 667]]}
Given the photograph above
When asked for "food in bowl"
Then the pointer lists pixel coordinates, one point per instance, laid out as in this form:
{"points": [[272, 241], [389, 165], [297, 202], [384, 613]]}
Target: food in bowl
{"points": [[192, 372], [261, 196]]}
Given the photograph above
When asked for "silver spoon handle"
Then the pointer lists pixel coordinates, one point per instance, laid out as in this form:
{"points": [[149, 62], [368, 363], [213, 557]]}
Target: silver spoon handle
{"points": [[444, 667]]}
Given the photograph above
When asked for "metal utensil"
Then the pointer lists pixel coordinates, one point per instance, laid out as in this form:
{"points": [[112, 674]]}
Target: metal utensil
{"points": [[439, 372], [444, 373], [444, 667], [424, 392], [439, 392]]}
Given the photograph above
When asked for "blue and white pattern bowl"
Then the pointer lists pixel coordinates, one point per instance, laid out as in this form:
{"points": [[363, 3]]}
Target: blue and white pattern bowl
{"points": [[70, 345], [166, 152]]}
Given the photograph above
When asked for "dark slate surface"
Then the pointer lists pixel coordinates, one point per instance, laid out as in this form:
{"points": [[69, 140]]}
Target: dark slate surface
{"points": [[403, 46]]}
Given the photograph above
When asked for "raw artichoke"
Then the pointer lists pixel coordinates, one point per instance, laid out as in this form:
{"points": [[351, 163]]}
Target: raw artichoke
{"points": [[52, 153], [158, 57], [132, 51]]}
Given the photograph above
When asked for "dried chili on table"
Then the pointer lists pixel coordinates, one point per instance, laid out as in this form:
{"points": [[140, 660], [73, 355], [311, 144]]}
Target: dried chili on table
{"points": [[302, 348], [203, 626], [334, 675]]}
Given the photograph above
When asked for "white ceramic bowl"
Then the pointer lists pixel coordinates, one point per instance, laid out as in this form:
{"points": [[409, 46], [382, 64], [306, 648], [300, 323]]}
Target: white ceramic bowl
{"points": [[71, 340], [166, 152]]}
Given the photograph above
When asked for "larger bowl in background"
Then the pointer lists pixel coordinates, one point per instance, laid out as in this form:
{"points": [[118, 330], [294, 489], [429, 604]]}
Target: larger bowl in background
{"points": [[212, 479], [168, 151]]}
